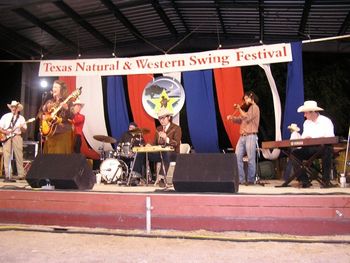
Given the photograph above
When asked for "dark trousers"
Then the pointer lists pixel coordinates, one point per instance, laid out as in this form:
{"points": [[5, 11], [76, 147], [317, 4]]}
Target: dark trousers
{"points": [[140, 162], [326, 155], [77, 143]]}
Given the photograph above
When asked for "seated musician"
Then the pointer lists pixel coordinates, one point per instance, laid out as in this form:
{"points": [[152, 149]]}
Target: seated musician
{"points": [[315, 126], [167, 134], [127, 141]]}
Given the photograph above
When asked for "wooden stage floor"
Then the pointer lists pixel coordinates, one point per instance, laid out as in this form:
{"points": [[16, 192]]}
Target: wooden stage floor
{"points": [[256, 208]]}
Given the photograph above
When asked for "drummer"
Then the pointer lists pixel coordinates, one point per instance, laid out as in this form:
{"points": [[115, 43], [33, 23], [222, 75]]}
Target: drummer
{"points": [[133, 138]]}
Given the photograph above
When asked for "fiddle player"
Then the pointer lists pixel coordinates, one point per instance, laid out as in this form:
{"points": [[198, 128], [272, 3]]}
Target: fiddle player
{"points": [[58, 133], [248, 118], [12, 125], [315, 126]]}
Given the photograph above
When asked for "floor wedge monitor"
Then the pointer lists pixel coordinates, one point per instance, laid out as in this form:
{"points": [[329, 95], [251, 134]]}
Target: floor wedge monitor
{"points": [[206, 172], [63, 171]]}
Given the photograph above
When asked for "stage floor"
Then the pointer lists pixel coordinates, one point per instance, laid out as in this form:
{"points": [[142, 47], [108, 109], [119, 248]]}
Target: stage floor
{"points": [[261, 208], [266, 187]]}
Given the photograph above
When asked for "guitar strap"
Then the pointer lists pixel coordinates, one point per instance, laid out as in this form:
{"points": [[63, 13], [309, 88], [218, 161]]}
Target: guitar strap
{"points": [[13, 121]]}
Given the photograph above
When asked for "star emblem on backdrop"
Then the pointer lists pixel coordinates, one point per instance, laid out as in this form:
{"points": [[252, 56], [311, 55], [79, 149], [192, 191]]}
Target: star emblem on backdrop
{"points": [[164, 101]]}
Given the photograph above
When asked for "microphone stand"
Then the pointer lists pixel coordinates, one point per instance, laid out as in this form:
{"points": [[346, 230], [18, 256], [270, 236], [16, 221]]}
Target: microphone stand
{"points": [[9, 165], [43, 99]]}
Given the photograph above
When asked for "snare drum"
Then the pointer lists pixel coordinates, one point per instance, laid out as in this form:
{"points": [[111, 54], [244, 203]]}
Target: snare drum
{"points": [[108, 154], [113, 170], [126, 149]]}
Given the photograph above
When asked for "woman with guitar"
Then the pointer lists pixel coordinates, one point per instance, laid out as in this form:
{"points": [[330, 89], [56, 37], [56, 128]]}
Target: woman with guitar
{"points": [[55, 114], [12, 125]]}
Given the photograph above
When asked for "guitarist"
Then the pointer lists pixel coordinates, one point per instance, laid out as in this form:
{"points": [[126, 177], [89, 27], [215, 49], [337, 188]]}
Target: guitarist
{"points": [[12, 125], [60, 139]]}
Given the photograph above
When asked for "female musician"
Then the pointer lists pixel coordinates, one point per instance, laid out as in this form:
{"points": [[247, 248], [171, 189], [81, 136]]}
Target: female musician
{"points": [[57, 129], [248, 118]]}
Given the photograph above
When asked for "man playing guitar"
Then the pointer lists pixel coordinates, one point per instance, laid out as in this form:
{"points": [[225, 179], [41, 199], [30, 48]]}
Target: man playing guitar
{"points": [[12, 125]]}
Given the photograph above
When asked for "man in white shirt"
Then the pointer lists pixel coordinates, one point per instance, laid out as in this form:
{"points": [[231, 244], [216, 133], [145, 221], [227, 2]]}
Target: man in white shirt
{"points": [[12, 125], [316, 126]]}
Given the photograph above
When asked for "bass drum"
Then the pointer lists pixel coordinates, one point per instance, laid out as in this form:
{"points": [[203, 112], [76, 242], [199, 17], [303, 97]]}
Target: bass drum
{"points": [[113, 170]]}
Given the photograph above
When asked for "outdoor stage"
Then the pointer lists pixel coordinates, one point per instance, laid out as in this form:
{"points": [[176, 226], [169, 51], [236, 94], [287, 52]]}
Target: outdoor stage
{"points": [[268, 209]]}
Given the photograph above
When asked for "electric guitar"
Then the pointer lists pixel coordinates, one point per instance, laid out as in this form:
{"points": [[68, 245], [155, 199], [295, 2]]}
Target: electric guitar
{"points": [[49, 123], [4, 137]]}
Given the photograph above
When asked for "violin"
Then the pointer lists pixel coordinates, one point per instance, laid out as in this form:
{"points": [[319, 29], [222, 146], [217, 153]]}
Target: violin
{"points": [[245, 107]]}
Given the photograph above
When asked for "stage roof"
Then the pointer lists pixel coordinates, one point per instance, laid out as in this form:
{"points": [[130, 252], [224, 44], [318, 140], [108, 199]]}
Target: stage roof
{"points": [[35, 29]]}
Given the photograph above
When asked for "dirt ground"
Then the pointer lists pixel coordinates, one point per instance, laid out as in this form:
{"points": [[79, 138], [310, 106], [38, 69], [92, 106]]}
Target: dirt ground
{"points": [[38, 244]]}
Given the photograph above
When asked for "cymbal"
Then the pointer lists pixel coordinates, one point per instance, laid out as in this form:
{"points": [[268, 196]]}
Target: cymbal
{"points": [[104, 138], [139, 131]]}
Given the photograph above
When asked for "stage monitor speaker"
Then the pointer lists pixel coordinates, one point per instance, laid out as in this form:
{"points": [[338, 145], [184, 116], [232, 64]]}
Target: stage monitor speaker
{"points": [[206, 172], [63, 171]]}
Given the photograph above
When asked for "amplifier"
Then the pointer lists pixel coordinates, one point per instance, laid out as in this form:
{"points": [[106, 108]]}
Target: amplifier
{"points": [[30, 150]]}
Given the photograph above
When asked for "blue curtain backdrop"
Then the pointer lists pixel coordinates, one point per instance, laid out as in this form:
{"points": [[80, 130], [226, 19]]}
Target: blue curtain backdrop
{"points": [[295, 91], [200, 107], [117, 109]]}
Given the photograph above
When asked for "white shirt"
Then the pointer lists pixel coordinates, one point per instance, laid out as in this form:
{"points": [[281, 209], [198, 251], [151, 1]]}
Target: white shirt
{"points": [[321, 127], [5, 122]]}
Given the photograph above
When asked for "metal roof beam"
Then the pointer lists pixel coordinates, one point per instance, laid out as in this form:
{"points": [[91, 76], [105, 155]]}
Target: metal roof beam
{"points": [[33, 19], [261, 20], [344, 27], [119, 15], [83, 23], [217, 3], [304, 18], [177, 10], [26, 43], [164, 17]]}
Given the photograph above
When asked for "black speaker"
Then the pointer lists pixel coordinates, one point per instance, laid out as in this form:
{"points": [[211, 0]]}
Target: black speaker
{"points": [[64, 171], [206, 172]]}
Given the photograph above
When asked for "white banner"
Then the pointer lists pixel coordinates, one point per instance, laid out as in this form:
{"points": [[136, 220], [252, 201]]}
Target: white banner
{"points": [[265, 54]]}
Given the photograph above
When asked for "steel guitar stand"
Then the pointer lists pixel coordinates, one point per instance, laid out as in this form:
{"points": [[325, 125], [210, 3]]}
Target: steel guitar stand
{"points": [[304, 166], [131, 170], [159, 177]]}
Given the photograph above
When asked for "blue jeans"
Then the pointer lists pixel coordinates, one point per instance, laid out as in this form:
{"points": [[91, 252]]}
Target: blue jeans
{"points": [[246, 145]]}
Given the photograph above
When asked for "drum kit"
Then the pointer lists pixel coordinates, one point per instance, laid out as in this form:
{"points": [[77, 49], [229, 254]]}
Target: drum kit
{"points": [[115, 164]]}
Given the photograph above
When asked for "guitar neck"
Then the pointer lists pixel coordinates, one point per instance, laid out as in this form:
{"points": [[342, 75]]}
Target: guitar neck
{"points": [[56, 110], [74, 94]]}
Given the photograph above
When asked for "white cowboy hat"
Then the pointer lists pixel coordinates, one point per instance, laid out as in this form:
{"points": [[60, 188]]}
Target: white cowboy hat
{"points": [[309, 105], [78, 102], [164, 112], [294, 127], [15, 104]]}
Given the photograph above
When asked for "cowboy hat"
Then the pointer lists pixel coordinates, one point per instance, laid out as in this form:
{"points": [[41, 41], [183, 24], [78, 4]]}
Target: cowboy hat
{"points": [[78, 102], [294, 127], [309, 105], [15, 104], [164, 112]]}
